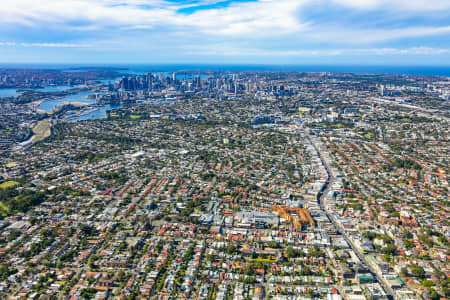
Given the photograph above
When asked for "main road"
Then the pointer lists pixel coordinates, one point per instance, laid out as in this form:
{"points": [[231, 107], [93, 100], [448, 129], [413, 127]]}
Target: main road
{"points": [[322, 202]]}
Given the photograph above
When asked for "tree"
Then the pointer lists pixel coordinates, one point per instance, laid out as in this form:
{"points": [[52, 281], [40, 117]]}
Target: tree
{"points": [[389, 249], [5, 271], [446, 291], [408, 244], [370, 235], [291, 253], [434, 295], [407, 234], [418, 271], [88, 293], [120, 275], [427, 283], [86, 229], [231, 249]]}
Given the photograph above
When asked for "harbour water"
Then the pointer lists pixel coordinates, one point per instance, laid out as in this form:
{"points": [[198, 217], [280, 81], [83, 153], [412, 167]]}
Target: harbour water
{"points": [[56, 88], [8, 93], [109, 81], [14, 92], [99, 113], [82, 97]]}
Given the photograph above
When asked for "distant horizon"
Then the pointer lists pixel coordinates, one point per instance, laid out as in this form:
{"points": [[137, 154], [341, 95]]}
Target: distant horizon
{"points": [[88, 64], [376, 69]]}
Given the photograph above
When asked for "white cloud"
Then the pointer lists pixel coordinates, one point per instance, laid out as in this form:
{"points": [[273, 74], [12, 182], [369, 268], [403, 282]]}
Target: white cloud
{"points": [[261, 20], [45, 45], [100, 12], [55, 45], [262, 17], [395, 51], [355, 36], [252, 18], [420, 6], [222, 50]]}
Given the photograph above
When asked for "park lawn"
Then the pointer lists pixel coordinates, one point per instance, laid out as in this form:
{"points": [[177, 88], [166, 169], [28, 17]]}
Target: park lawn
{"points": [[4, 210], [369, 135], [42, 130], [8, 184], [263, 260]]}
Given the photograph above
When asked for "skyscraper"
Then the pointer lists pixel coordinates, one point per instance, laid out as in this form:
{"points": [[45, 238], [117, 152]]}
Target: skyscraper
{"points": [[381, 90], [149, 82]]}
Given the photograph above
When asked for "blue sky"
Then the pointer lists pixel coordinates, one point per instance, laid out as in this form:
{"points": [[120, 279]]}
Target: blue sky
{"points": [[368, 32]]}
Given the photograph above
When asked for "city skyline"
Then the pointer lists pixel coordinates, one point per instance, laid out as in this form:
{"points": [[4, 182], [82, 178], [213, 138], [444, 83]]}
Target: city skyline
{"points": [[226, 32]]}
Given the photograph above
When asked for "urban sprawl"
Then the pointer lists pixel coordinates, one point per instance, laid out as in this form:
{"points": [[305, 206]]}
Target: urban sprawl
{"points": [[224, 185]]}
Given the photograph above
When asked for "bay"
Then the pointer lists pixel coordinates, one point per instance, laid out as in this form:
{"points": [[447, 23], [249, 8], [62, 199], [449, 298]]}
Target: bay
{"points": [[8, 93], [99, 113], [49, 105]]}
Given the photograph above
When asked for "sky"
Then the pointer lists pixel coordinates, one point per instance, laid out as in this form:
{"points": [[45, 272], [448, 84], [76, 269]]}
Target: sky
{"points": [[298, 32]]}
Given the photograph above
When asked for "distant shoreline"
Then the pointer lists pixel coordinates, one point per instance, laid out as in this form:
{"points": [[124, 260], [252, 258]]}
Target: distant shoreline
{"points": [[345, 69]]}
